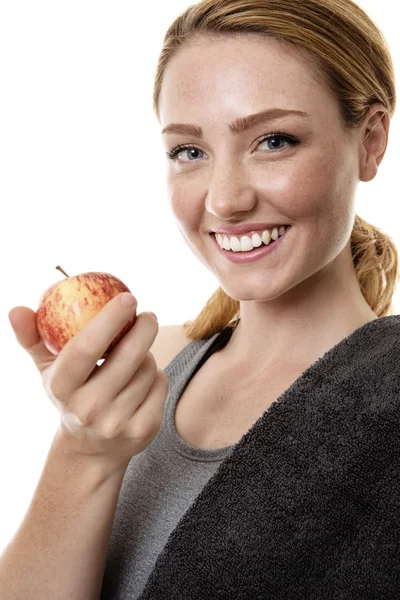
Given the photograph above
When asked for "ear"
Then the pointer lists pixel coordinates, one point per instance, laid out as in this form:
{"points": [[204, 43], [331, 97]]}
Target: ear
{"points": [[374, 139]]}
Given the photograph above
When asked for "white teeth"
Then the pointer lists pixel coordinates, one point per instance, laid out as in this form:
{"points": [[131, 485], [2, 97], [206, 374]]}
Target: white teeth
{"points": [[275, 233], [246, 244], [256, 240], [235, 244], [266, 237], [226, 245]]}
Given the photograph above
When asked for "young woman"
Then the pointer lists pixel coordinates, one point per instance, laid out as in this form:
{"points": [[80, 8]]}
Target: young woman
{"points": [[271, 471]]}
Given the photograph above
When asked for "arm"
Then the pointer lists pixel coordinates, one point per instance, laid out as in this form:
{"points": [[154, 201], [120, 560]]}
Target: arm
{"points": [[107, 417], [59, 551]]}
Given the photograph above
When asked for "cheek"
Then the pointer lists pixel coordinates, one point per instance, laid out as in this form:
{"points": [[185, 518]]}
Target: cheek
{"points": [[313, 190], [187, 207], [188, 210], [324, 203]]}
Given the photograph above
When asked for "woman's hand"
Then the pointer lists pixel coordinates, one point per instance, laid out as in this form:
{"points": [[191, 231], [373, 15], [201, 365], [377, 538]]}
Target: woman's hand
{"points": [[112, 411]]}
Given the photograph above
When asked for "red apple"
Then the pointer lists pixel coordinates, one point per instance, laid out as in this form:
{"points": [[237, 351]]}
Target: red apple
{"points": [[68, 305]]}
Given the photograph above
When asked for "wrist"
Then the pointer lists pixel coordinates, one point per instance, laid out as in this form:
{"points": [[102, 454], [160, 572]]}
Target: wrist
{"points": [[98, 468]]}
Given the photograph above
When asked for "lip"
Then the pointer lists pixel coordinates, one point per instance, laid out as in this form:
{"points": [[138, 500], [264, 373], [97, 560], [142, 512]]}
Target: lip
{"points": [[253, 255], [246, 227]]}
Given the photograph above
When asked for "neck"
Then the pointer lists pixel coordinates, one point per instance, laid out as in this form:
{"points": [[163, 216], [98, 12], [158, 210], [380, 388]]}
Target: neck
{"points": [[301, 326]]}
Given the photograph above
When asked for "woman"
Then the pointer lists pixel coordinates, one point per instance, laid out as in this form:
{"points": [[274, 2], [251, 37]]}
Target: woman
{"points": [[276, 470]]}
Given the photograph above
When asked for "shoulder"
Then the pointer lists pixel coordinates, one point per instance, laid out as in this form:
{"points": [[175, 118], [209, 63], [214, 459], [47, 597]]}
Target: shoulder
{"points": [[170, 340]]}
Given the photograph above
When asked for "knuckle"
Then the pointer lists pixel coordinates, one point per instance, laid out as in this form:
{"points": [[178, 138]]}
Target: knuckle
{"points": [[86, 412], [49, 381], [86, 417], [53, 390], [53, 387], [142, 430], [150, 362], [108, 430], [85, 347], [131, 346], [72, 423], [162, 378], [148, 367], [127, 353]]}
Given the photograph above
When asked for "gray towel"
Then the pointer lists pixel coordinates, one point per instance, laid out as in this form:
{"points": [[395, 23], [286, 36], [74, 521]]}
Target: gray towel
{"points": [[307, 506]]}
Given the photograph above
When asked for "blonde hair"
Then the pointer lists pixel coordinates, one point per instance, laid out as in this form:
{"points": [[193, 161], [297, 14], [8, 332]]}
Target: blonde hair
{"points": [[349, 54]]}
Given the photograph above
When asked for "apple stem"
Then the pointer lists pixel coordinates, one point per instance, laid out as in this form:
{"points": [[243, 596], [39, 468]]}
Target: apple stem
{"points": [[62, 271]]}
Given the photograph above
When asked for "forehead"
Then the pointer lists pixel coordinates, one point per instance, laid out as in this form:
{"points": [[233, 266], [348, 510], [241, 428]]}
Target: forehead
{"points": [[238, 75]]}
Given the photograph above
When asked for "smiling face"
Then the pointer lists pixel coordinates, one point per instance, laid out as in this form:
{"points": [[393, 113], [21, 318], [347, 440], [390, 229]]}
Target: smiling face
{"points": [[228, 178]]}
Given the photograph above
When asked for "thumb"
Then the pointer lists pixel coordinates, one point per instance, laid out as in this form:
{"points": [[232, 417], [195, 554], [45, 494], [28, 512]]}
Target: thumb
{"points": [[23, 323]]}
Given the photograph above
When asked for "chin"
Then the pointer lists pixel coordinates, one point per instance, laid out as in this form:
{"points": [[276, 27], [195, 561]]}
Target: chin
{"points": [[247, 291]]}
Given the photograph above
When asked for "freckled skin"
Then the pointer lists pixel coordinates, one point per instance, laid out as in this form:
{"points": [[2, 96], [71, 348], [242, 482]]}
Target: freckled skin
{"points": [[306, 296], [68, 305]]}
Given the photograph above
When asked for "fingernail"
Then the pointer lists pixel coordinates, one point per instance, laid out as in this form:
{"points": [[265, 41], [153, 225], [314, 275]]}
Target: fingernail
{"points": [[128, 300], [154, 315]]}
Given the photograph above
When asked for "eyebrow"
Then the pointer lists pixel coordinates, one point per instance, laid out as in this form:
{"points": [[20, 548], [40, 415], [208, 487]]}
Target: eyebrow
{"points": [[239, 125]]}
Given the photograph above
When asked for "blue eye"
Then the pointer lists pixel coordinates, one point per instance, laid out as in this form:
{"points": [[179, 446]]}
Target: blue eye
{"points": [[174, 152], [277, 136]]}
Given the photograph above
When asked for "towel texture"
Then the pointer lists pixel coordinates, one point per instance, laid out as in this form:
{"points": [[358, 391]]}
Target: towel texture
{"points": [[307, 505]]}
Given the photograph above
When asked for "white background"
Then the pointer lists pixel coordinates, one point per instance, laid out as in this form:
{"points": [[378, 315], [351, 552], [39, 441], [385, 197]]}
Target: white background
{"points": [[82, 185]]}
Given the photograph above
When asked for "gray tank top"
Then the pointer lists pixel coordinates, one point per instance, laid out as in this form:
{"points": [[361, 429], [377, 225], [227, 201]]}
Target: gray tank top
{"points": [[160, 484]]}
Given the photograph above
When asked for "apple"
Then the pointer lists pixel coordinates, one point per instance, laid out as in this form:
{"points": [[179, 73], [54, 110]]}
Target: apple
{"points": [[68, 305]]}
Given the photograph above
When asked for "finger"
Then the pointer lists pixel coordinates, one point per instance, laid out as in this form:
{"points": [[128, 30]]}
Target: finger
{"points": [[139, 420], [124, 360], [146, 420], [23, 323], [111, 413], [79, 356]]}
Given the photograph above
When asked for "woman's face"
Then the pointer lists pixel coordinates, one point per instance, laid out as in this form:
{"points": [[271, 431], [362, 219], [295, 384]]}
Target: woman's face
{"points": [[227, 178]]}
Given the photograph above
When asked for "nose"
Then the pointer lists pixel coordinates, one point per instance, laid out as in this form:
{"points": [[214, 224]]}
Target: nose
{"points": [[229, 193]]}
